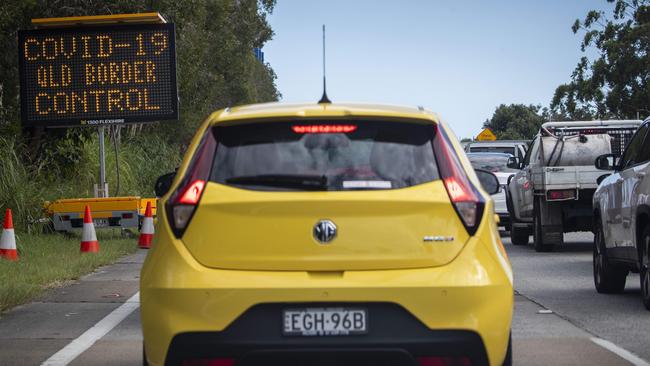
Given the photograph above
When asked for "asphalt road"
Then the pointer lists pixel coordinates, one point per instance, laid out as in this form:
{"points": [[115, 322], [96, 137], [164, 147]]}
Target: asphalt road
{"points": [[562, 282], [559, 318]]}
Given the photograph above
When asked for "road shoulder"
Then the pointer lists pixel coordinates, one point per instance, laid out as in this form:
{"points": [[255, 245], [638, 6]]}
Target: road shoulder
{"points": [[31, 333]]}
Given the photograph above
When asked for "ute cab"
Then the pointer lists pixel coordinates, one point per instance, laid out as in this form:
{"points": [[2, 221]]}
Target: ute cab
{"points": [[326, 233]]}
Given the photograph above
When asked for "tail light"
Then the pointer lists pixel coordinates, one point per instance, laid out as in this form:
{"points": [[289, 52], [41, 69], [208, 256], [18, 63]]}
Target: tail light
{"points": [[444, 361], [561, 194], [183, 201], [324, 128], [466, 199]]}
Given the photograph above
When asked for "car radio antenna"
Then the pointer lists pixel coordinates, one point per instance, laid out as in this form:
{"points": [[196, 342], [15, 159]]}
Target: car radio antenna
{"points": [[324, 98]]}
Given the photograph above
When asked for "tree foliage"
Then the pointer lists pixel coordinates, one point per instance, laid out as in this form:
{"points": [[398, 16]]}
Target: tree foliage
{"points": [[516, 121], [616, 83]]}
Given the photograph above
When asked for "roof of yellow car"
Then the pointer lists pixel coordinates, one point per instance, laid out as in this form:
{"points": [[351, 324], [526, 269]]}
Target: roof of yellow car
{"points": [[270, 110]]}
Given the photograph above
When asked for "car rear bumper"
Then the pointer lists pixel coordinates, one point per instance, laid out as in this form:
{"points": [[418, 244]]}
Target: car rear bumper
{"points": [[395, 338], [500, 206], [183, 301]]}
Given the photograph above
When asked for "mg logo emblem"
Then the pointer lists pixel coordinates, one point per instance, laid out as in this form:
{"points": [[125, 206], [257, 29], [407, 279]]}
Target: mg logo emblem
{"points": [[324, 231]]}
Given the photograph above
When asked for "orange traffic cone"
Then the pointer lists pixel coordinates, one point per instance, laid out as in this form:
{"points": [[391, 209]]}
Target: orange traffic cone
{"points": [[89, 243], [146, 233], [8, 239]]}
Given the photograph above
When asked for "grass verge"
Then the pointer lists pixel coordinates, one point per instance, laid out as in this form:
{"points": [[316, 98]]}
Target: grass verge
{"points": [[48, 261]]}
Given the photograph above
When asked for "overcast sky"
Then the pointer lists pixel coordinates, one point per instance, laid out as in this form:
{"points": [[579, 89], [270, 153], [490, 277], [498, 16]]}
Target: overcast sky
{"points": [[458, 58]]}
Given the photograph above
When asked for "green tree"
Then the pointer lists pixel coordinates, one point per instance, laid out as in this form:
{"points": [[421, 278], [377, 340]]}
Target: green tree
{"points": [[516, 121], [216, 66], [616, 83]]}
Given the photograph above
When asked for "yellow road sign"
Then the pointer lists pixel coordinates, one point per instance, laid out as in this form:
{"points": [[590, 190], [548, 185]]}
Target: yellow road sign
{"points": [[486, 135]]}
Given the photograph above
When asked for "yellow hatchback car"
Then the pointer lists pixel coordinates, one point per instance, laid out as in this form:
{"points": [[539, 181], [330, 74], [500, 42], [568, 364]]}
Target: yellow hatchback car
{"points": [[326, 234]]}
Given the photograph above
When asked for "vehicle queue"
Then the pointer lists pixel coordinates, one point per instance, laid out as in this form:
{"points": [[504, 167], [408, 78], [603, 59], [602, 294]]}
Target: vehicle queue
{"points": [[580, 176], [375, 237]]}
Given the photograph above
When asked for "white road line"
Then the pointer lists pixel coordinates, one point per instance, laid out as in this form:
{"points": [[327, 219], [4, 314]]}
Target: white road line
{"points": [[68, 353], [623, 353]]}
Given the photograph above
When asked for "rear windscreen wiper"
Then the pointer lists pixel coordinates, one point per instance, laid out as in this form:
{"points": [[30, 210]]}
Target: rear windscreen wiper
{"points": [[297, 181]]}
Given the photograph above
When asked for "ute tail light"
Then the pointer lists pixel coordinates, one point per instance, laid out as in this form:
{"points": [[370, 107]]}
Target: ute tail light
{"points": [[561, 194], [183, 201], [466, 199]]}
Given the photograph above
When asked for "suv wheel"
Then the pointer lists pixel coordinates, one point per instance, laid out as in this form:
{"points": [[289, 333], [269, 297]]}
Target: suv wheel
{"points": [[518, 235], [538, 237], [645, 267], [608, 278]]}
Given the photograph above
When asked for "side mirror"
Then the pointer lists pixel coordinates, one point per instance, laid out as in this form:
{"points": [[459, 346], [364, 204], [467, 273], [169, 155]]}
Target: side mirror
{"points": [[606, 162], [513, 163], [164, 183], [489, 181]]}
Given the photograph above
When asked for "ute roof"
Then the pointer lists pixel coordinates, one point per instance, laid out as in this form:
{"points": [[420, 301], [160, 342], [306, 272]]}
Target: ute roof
{"points": [[306, 110]]}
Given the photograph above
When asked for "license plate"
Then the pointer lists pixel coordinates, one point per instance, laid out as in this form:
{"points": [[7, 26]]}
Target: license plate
{"points": [[100, 222], [325, 321]]}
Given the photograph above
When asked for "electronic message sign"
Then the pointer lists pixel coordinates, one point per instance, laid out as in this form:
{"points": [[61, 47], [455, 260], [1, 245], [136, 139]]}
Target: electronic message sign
{"points": [[98, 75]]}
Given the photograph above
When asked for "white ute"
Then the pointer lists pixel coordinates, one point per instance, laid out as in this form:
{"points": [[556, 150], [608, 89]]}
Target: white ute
{"points": [[552, 193]]}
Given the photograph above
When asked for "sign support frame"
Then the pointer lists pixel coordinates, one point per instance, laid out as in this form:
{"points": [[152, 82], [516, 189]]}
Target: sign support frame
{"points": [[101, 189]]}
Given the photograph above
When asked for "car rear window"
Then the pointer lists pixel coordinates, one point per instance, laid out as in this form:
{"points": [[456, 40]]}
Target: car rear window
{"points": [[324, 155], [494, 163], [500, 149]]}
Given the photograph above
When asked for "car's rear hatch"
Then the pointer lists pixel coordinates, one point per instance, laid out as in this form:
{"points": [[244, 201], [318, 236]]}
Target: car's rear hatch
{"points": [[375, 189]]}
